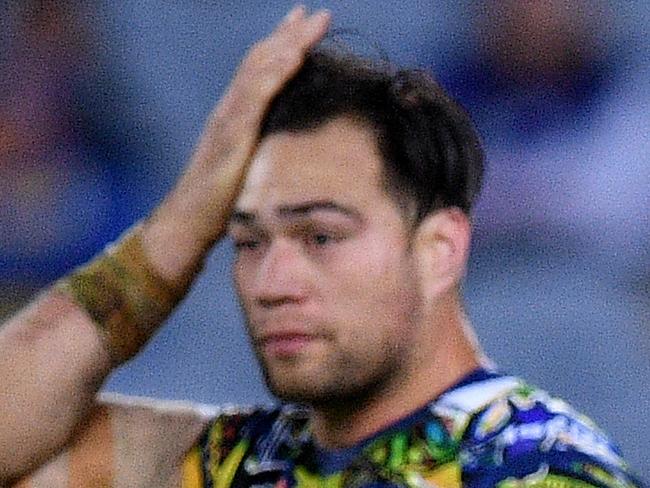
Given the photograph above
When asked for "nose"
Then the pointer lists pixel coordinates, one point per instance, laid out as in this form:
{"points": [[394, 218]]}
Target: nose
{"points": [[282, 275]]}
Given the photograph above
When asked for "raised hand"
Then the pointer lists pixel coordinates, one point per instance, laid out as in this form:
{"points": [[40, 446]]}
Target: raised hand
{"points": [[52, 358], [195, 213]]}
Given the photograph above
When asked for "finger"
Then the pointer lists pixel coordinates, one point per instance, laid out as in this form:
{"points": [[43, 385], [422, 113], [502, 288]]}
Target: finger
{"points": [[301, 31], [317, 26], [280, 54], [284, 52], [296, 33], [296, 13], [270, 63]]}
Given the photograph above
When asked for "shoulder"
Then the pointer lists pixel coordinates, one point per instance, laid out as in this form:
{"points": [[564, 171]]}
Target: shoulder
{"points": [[127, 441], [148, 431], [233, 434], [150, 437], [230, 426], [518, 431]]}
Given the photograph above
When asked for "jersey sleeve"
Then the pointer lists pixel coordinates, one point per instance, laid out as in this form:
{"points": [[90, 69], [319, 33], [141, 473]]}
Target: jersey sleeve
{"points": [[529, 437]]}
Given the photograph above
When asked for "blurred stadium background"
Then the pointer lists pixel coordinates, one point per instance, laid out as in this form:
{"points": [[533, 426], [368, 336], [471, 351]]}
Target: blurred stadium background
{"points": [[101, 103]]}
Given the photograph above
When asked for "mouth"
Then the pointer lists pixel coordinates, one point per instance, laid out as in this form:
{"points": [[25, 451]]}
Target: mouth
{"points": [[285, 344]]}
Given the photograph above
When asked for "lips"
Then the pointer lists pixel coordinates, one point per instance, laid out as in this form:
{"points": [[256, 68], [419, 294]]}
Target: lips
{"points": [[286, 343], [286, 333]]}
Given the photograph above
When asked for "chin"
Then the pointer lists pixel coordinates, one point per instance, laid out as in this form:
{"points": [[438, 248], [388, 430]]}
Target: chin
{"points": [[289, 388], [306, 396], [339, 392], [327, 384]]}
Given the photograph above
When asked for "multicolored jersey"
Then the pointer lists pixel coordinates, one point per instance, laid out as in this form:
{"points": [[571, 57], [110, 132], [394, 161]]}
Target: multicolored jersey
{"points": [[489, 430]]}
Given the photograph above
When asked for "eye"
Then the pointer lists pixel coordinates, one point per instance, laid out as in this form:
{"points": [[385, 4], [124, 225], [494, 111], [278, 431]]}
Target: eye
{"points": [[321, 239]]}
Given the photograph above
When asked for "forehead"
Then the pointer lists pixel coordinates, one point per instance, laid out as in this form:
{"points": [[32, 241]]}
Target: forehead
{"points": [[339, 161]]}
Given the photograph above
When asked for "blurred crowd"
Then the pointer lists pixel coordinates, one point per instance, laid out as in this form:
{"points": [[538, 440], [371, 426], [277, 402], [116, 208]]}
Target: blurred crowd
{"points": [[73, 163], [560, 91]]}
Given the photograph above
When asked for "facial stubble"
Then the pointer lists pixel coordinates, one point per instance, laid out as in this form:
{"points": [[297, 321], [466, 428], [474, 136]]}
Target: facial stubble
{"points": [[343, 377]]}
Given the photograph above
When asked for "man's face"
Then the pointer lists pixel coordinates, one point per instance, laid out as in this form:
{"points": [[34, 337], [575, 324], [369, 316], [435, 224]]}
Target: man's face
{"points": [[323, 268]]}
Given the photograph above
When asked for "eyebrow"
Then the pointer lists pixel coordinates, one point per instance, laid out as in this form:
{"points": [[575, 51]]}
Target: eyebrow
{"points": [[298, 211]]}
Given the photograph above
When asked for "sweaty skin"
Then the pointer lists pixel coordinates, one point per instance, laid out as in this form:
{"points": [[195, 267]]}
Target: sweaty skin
{"points": [[52, 360]]}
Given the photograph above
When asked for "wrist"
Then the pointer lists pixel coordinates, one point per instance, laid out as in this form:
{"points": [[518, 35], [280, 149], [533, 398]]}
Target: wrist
{"points": [[176, 242], [124, 295]]}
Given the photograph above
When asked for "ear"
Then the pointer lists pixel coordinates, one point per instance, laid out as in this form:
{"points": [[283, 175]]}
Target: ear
{"points": [[441, 249]]}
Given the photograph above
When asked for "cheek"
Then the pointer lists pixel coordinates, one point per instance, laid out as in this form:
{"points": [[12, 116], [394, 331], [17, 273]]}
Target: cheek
{"points": [[373, 267], [375, 282]]}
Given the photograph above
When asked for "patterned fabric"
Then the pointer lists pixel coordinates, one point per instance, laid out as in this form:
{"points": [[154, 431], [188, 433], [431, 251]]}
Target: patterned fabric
{"points": [[493, 432]]}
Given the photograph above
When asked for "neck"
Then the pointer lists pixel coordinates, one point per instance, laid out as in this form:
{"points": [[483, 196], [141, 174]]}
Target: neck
{"points": [[448, 353]]}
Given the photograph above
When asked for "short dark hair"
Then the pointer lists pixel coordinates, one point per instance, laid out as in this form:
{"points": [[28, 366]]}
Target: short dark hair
{"points": [[432, 153]]}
